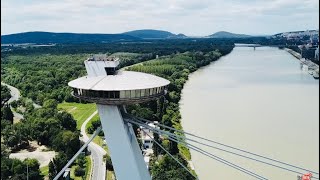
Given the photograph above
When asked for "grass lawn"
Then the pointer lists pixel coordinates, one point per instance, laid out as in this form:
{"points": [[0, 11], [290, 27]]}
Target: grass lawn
{"points": [[94, 118], [109, 175], [88, 168], [98, 140], [72, 174], [79, 111], [44, 170]]}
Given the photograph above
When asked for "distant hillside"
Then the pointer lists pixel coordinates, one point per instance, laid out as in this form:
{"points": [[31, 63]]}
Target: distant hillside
{"points": [[224, 34], [306, 32], [180, 35], [49, 37], [153, 34]]}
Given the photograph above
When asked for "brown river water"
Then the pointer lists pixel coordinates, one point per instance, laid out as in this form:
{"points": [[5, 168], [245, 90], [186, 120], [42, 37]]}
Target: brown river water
{"points": [[258, 100]]}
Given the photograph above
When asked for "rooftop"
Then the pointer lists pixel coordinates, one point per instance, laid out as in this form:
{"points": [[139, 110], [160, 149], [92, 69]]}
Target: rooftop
{"points": [[123, 80], [102, 57]]}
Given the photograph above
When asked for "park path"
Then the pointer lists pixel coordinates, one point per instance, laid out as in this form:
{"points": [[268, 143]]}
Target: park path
{"points": [[15, 95]]}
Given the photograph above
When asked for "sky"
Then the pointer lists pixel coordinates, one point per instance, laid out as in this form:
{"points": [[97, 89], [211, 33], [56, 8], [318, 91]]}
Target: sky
{"points": [[190, 17]]}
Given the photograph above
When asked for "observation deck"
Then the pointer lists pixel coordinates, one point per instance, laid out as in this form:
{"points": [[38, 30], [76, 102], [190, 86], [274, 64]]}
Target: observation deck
{"points": [[111, 89], [106, 85], [125, 87]]}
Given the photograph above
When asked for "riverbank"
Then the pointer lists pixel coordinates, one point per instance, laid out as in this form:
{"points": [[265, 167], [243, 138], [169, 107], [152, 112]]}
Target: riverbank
{"points": [[253, 100], [312, 67], [292, 52], [175, 68]]}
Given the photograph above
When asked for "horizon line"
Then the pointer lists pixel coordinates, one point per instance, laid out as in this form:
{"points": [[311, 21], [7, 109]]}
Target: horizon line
{"points": [[160, 30]]}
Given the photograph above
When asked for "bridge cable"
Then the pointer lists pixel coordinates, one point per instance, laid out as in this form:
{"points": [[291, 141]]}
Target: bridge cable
{"points": [[78, 153], [206, 153], [170, 155], [184, 138], [216, 158], [245, 151]]}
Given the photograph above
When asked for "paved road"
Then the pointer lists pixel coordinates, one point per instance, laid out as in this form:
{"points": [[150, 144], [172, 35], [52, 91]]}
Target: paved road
{"points": [[15, 95], [97, 152]]}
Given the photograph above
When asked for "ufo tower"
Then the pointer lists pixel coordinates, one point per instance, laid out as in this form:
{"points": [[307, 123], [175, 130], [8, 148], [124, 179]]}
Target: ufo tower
{"points": [[111, 90]]}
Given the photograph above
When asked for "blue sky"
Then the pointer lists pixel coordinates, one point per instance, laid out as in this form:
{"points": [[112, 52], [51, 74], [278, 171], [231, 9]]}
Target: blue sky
{"points": [[191, 17]]}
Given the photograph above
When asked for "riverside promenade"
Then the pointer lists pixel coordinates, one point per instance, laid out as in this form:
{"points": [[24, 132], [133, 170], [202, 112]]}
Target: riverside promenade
{"points": [[313, 67]]}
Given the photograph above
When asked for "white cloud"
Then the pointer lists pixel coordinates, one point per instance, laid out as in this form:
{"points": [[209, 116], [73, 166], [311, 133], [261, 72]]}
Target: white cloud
{"points": [[192, 17]]}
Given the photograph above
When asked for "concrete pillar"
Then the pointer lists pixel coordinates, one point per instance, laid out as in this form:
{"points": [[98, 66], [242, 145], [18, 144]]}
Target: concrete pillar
{"points": [[126, 156]]}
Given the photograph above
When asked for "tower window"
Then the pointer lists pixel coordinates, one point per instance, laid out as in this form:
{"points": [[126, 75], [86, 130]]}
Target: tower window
{"points": [[116, 94], [110, 70]]}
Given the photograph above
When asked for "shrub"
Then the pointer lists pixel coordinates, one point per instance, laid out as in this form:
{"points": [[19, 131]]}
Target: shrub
{"points": [[79, 171], [109, 165]]}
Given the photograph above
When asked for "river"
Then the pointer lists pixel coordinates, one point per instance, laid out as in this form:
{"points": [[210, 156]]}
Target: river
{"points": [[258, 100]]}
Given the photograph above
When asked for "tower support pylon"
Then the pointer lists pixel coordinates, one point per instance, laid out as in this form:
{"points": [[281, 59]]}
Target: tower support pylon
{"points": [[127, 158]]}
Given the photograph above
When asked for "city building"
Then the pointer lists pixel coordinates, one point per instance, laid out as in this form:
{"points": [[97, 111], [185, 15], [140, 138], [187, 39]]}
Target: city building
{"points": [[146, 135]]}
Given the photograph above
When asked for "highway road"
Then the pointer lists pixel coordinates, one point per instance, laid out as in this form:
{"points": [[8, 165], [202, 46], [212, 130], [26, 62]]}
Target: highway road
{"points": [[97, 152]]}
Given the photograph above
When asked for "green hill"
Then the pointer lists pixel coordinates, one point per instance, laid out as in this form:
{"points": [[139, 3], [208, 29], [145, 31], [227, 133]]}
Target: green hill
{"points": [[50, 37]]}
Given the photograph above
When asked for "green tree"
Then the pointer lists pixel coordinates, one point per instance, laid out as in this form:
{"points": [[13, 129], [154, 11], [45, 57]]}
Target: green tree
{"points": [[7, 114], [67, 141], [45, 130], [14, 104], [10, 139], [50, 103], [109, 165], [168, 168], [18, 168], [166, 120], [79, 171], [4, 151], [93, 126], [156, 149], [173, 148], [66, 120], [81, 160], [4, 124], [57, 164], [5, 93], [22, 131], [16, 136], [33, 169], [5, 168], [29, 107]]}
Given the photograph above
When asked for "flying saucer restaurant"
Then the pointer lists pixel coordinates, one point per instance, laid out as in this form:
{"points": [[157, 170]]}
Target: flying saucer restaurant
{"points": [[123, 87]]}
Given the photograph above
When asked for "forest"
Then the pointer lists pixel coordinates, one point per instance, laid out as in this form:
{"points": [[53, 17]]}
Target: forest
{"points": [[42, 74], [156, 47]]}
